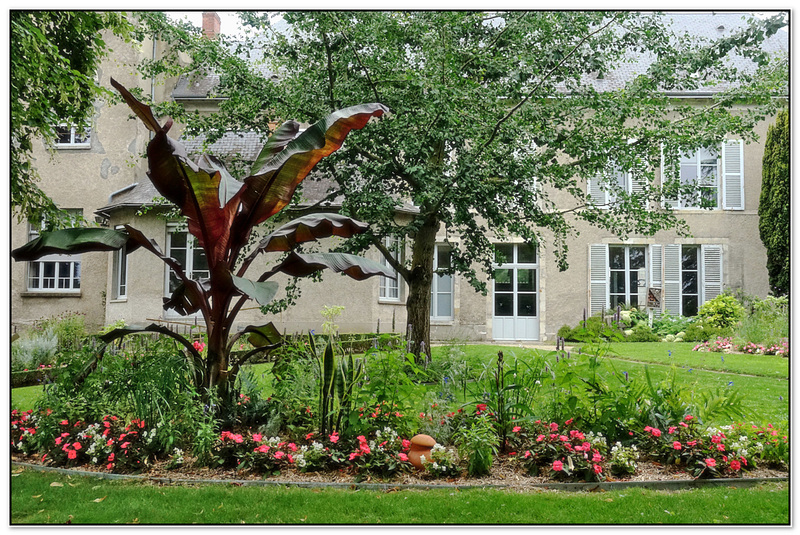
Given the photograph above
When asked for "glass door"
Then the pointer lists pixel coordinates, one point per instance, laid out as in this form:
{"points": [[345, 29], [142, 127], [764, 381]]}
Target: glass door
{"points": [[515, 293]]}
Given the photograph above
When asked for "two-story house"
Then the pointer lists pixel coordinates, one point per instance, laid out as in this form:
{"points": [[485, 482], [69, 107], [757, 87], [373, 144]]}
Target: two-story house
{"points": [[528, 300]]}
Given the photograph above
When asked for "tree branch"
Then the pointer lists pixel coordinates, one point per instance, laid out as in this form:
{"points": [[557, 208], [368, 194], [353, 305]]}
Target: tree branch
{"points": [[361, 64]]}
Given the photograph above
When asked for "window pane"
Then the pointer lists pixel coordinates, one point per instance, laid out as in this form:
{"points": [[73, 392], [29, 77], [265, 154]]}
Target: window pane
{"points": [[526, 254], [49, 280], [444, 305], [76, 282], [199, 261], [63, 134], [616, 257], [33, 275], [177, 239], [689, 257], [617, 282], [617, 300], [526, 280], [636, 257], [690, 305], [179, 255], [633, 282], [634, 300], [503, 281], [442, 258], [688, 173], [504, 253], [526, 305], [689, 282], [503, 304]]}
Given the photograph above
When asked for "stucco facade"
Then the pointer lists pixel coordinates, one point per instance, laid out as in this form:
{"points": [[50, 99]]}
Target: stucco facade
{"points": [[100, 180]]}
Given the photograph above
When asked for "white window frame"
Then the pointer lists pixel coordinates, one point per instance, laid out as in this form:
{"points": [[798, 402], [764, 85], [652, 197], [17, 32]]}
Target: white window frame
{"points": [[82, 143], [120, 271], [439, 287], [391, 289], [188, 264], [694, 158], [72, 281], [629, 291]]}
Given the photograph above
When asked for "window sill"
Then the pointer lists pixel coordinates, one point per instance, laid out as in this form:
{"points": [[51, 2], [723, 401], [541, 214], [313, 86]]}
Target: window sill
{"points": [[445, 323], [118, 300], [50, 294], [73, 147], [390, 302]]}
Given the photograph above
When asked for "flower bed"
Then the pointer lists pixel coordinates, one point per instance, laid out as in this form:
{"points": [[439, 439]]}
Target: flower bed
{"points": [[727, 345], [544, 451]]}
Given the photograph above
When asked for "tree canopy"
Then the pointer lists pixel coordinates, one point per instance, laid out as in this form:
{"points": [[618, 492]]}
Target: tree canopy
{"points": [[53, 80], [497, 120], [774, 206]]}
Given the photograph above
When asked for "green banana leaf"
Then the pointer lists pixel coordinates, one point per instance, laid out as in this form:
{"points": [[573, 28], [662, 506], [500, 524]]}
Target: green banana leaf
{"points": [[262, 292], [70, 241], [356, 267]]}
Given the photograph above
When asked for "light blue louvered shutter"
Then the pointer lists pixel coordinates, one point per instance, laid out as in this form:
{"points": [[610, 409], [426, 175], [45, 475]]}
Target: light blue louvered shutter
{"points": [[672, 279], [733, 175], [596, 192], [656, 268], [598, 277], [712, 271]]}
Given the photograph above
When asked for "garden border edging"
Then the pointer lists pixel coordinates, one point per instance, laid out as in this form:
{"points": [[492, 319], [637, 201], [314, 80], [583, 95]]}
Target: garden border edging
{"points": [[571, 487]]}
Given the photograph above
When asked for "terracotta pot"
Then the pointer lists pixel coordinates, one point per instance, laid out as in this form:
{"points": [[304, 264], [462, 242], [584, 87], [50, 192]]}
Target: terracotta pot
{"points": [[420, 445]]}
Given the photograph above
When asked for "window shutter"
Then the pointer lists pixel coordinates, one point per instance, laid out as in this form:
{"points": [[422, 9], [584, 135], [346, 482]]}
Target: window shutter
{"points": [[598, 277], [712, 271], [672, 279], [596, 192], [656, 267], [665, 175], [733, 175]]}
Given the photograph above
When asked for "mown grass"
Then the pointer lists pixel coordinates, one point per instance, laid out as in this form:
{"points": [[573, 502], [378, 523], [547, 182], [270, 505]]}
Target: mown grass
{"points": [[89, 500]]}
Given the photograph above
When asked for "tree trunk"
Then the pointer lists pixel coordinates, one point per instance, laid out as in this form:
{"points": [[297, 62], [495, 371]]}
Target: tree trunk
{"points": [[418, 304]]}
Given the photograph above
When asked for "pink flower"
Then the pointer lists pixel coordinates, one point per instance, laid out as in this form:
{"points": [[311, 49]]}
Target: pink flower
{"points": [[361, 439], [72, 454], [568, 421], [671, 429], [110, 466], [689, 417], [124, 445], [64, 422], [402, 456], [597, 468], [676, 445], [308, 436], [58, 440], [76, 445], [596, 458], [558, 466], [257, 437], [539, 438], [292, 446], [111, 458], [656, 432], [481, 406], [279, 454], [553, 427], [516, 429], [563, 438], [353, 455], [406, 444], [691, 443], [711, 463], [527, 454], [334, 438]]}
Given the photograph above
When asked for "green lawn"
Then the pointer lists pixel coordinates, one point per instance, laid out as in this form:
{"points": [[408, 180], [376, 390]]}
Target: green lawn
{"points": [[88, 500]]}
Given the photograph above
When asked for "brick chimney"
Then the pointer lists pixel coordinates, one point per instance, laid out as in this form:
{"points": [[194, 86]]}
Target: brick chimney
{"points": [[210, 24]]}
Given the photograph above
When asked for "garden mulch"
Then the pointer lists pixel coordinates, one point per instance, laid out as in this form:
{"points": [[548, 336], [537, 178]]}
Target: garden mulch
{"points": [[504, 473]]}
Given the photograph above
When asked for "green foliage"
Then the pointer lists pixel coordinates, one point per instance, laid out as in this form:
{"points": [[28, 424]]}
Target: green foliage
{"points": [[669, 324], [477, 443], [426, 67], [37, 348], [774, 203], [767, 325], [642, 333], [594, 329], [702, 332], [54, 60], [69, 328], [723, 312]]}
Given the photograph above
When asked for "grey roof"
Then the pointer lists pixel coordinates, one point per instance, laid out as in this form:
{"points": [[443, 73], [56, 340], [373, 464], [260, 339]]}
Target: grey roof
{"points": [[709, 26]]}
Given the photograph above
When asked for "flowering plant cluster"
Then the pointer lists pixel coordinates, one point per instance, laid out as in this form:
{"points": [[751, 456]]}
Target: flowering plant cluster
{"points": [[443, 462], [384, 456], [109, 444], [23, 429], [562, 453], [623, 459], [714, 452], [726, 345]]}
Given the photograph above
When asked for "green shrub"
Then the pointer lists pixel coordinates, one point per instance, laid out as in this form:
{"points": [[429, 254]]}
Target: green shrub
{"points": [[35, 349], [701, 332], [70, 329], [668, 324], [642, 333], [724, 311], [478, 445]]}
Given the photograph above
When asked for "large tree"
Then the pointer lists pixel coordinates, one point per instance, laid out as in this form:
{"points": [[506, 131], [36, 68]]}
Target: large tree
{"points": [[54, 60], [773, 207], [497, 120]]}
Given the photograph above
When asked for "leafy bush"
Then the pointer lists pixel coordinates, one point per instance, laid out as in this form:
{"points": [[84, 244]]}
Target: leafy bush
{"points": [[668, 324], [70, 329], [642, 333], [767, 325], [702, 332], [560, 453], [38, 348], [594, 329], [724, 312], [478, 445], [443, 462]]}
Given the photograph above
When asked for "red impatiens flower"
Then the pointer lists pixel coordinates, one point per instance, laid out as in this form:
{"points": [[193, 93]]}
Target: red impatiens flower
{"points": [[516, 429], [711, 463], [558, 466], [402, 456], [597, 468], [676, 445]]}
